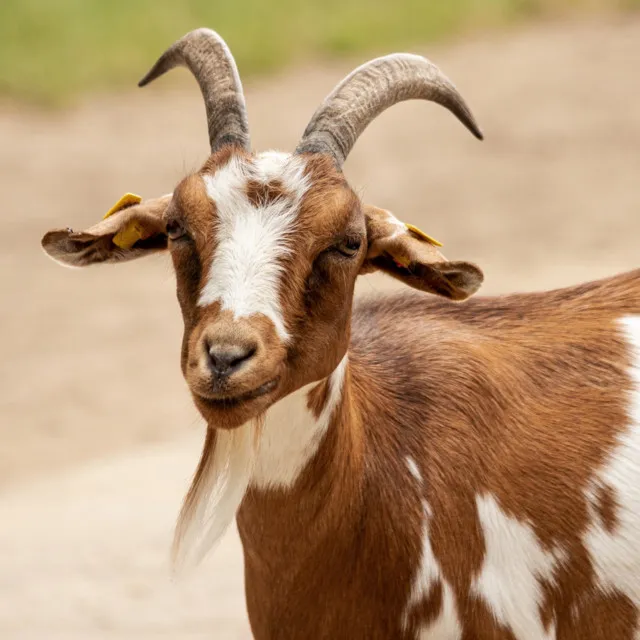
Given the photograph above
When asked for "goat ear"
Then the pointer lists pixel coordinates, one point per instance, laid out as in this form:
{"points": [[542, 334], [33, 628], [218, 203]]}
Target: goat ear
{"points": [[410, 255], [130, 229]]}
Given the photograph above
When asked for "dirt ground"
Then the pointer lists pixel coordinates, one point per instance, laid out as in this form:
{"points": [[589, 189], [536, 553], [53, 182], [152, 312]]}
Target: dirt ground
{"points": [[97, 434]]}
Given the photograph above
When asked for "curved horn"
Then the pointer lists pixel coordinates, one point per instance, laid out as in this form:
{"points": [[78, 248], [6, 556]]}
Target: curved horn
{"points": [[368, 91], [207, 56]]}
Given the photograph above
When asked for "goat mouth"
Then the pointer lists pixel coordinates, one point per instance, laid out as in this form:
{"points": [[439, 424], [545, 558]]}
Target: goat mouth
{"points": [[229, 401]]}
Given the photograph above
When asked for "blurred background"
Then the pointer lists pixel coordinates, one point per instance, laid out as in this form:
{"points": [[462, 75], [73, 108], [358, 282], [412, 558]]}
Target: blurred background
{"points": [[98, 438]]}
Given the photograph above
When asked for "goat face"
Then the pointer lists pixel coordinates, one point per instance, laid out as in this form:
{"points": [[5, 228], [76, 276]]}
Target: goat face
{"points": [[266, 247]]}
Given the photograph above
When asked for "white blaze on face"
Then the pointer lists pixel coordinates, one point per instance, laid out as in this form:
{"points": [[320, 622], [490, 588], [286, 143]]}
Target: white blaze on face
{"points": [[246, 273]]}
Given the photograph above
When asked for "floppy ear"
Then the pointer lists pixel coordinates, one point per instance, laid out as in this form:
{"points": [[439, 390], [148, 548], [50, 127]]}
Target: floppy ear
{"points": [[408, 254], [130, 229]]}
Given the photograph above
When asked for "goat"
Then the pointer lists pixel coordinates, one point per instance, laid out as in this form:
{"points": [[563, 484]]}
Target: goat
{"points": [[405, 466]]}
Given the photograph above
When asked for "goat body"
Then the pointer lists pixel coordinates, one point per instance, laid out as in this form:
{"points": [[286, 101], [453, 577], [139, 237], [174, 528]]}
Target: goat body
{"points": [[480, 477], [409, 467]]}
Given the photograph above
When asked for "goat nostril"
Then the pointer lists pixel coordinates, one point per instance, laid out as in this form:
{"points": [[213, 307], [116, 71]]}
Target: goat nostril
{"points": [[226, 359]]}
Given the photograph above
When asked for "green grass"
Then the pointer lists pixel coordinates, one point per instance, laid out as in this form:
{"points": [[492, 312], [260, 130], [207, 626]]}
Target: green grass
{"points": [[54, 50]]}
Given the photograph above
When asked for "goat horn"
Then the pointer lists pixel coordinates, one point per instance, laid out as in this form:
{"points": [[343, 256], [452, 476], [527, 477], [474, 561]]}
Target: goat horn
{"points": [[207, 56], [368, 91]]}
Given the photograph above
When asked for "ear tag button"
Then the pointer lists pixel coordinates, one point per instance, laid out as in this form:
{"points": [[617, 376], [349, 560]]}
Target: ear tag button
{"points": [[423, 236], [127, 237]]}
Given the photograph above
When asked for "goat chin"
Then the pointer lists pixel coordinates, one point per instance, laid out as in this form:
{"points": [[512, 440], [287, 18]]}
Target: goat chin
{"points": [[217, 489]]}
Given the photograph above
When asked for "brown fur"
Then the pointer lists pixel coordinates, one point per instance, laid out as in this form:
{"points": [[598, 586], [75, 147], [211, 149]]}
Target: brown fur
{"points": [[261, 194], [606, 507], [520, 397]]}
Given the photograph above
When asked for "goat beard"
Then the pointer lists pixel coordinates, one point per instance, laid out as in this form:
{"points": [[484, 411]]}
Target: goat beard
{"points": [[216, 492]]}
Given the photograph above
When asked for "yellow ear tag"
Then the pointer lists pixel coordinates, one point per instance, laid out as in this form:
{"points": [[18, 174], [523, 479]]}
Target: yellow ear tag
{"points": [[127, 200], [421, 234], [127, 237], [402, 261]]}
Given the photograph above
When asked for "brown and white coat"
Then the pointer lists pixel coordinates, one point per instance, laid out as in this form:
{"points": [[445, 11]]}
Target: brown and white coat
{"points": [[402, 467]]}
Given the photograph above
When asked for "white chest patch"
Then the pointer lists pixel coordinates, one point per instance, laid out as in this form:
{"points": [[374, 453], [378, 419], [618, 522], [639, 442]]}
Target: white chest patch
{"points": [[514, 566], [291, 435], [616, 553], [246, 273], [269, 455]]}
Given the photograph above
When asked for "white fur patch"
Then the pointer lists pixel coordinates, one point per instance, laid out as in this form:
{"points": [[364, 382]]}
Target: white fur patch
{"points": [[278, 165], [446, 626], [245, 274], [269, 455], [413, 468], [224, 483], [514, 565], [291, 436], [616, 555], [400, 227]]}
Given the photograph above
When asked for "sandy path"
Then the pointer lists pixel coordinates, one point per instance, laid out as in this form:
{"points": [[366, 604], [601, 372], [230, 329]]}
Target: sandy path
{"points": [[85, 556], [89, 373]]}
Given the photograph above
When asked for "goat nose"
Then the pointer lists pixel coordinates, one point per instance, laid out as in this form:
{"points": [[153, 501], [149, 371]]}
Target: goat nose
{"points": [[225, 359]]}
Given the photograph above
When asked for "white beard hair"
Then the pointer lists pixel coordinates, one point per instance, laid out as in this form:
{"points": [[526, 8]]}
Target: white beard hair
{"points": [[216, 492]]}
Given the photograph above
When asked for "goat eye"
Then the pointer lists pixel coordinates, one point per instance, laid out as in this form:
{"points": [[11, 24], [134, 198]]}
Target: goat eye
{"points": [[175, 230], [348, 247]]}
